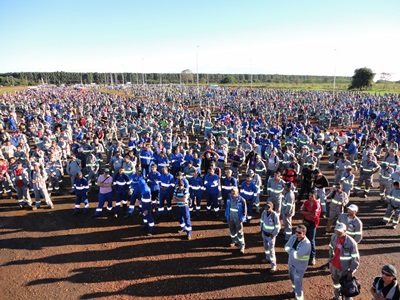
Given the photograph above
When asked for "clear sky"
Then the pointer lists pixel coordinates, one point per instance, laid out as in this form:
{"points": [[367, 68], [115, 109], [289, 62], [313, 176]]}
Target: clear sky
{"points": [[167, 36]]}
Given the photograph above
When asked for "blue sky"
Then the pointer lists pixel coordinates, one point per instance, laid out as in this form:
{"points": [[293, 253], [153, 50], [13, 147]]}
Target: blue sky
{"points": [[260, 37]]}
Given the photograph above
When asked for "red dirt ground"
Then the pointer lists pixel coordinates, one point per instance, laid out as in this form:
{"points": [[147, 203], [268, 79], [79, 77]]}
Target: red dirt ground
{"points": [[52, 254]]}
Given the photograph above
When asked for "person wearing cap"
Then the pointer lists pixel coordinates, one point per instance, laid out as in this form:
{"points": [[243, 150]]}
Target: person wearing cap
{"points": [[274, 191], [270, 226], [288, 209], [181, 197], [393, 208], [386, 286], [385, 181], [311, 211], [235, 214], [38, 180], [344, 258], [320, 183], [299, 248], [353, 224], [81, 187], [367, 169], [249, 191], [105, 182]]}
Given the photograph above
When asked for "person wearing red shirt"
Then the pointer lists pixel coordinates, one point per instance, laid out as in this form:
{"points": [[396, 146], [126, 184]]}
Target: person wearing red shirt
{"points": [[311, 210]]}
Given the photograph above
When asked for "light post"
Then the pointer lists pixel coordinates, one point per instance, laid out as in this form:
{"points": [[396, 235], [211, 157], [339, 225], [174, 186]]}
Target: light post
{"points": [[197, 71], [334, 77], [251, 75], [142, 71]]}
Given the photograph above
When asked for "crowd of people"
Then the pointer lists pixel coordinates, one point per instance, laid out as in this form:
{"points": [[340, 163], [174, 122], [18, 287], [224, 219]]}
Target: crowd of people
{"points": [[244, 151]]}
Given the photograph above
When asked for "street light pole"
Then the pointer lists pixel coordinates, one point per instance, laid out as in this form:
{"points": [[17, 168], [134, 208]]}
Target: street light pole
{"points": [[251, 75], [142, 71], [197, 71], [334, 77]]}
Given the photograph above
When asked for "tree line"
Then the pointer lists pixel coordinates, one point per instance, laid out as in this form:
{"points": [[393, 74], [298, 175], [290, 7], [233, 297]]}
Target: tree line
{"points": [[58, 78]]}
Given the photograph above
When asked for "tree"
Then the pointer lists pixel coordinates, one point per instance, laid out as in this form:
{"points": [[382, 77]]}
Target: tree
{"points": [[187, 76], [228, 80], [362, 78]]}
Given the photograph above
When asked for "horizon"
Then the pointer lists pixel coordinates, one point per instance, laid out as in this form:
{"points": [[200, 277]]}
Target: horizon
{"points": [[223, 37]]}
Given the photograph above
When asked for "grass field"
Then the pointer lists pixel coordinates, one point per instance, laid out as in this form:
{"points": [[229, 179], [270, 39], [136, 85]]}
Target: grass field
{"points": [[378, 88], [12, 89]]}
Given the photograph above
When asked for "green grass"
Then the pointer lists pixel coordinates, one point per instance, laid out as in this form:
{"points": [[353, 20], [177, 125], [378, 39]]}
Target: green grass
{"points": [[12, 89]]}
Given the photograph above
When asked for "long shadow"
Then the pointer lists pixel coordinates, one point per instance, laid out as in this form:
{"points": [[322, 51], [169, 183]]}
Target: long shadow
{"points": [[380, 250]]}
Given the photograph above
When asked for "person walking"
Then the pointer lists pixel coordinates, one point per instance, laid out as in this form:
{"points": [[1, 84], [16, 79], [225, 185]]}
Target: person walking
{"points": [[235, 214], [393, 208], [353, 223], [344, 258], [270, 226], [299, 249]]}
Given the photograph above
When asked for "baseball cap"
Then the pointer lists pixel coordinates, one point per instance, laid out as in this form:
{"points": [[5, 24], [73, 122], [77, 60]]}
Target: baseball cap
{"points": [[340, 227], [107, 171], [390, 269], [384, 165], [250, 172], [353, 207], [288, 184]]}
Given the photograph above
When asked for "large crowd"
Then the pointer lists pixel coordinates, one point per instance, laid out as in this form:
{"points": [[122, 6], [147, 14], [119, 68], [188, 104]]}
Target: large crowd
{"points": [[164, 148]]}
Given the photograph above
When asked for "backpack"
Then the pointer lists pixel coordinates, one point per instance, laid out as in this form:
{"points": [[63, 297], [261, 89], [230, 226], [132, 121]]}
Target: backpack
{"points": [[328, 147], [349, 288]]}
